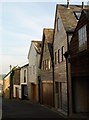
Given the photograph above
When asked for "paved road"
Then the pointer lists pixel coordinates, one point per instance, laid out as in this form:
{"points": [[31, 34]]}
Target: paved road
{"points": [[25, 109]]}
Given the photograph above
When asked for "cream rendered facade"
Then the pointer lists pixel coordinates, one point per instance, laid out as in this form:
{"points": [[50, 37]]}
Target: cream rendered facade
{"points": [[33, 60], [15, 88]]}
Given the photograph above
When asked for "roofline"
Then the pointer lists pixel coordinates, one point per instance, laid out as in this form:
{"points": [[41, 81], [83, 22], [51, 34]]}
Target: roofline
{"points": [[36, 41], [31, 45], [42, 47], [48, 28], [25, 65], [10, 72]]}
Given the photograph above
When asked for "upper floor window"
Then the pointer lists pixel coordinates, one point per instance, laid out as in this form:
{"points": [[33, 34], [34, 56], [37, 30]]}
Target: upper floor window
{"points": [[33, 69], [55, 57], [24, 75], [82, 38], [49, 64], [46, 64], [58, 24], [45, 47], [62, 53], [59, 56], [42, 66], [77, 14]]}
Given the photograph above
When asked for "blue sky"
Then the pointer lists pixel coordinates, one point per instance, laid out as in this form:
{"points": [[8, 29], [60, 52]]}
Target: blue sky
{"points": [[20, 22]]}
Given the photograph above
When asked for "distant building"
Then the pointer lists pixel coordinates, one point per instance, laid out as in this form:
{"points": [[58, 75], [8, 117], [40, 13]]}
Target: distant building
{"points": [[1, 86], [1, 83], [16, 83], [6, 86], [23, 90]]}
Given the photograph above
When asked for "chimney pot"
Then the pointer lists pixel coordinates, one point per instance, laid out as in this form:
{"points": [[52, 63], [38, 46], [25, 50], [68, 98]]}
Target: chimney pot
{"points": [[82, 5], [68, 4]]}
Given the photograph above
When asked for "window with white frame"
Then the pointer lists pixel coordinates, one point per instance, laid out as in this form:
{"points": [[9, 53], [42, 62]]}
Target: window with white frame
{"points": [[82, 34]]}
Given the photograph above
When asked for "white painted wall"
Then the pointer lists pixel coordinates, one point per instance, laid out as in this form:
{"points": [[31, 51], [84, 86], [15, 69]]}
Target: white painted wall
{"points": [[22, 78], [14, 88], [22, 75], [33, 60]]}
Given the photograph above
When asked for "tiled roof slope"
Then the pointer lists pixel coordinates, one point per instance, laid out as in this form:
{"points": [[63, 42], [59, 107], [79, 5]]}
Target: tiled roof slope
{"points": [[46, 38], [67, 15], [87, 13], [37, 45], [48, 32]]}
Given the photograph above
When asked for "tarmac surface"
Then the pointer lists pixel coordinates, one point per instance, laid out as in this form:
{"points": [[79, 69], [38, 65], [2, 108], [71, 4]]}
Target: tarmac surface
{"points": [[26, 109]]}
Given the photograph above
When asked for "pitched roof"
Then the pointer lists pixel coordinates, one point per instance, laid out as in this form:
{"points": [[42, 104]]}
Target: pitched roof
{"points": [[25, 65], [48, 38], [87, 13], [48, 33], [67, 15], [37, 45]]}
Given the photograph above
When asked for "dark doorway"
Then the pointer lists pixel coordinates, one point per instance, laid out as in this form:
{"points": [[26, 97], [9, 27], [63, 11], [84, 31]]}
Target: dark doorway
{"points": [[24, 92]]}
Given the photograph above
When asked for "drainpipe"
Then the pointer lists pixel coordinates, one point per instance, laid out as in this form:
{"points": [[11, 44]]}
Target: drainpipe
{"points": [[66, 57], [53, 78], [39, 90]]}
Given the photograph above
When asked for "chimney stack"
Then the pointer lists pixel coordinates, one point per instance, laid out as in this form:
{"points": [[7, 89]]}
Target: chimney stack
{"points": [[82, 5], [68, 4], [10, 67]]}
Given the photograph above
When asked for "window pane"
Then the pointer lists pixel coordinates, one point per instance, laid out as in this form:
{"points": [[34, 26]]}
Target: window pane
{"points": [[59, 56], [82, 38], [62, 50]]}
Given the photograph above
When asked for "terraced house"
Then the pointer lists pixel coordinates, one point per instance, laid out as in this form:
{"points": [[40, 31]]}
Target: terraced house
{"points": [[66, 18], [16, 83], [79, 59], [46, 83], [23, 89], [33, 60]]}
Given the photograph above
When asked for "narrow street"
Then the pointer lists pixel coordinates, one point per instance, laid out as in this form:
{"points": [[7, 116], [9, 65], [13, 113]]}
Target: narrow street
{"points": [[25, 109]]}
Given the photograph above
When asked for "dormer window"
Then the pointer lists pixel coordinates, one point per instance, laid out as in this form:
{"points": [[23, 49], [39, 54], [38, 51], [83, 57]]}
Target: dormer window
{"points": [[58, 24], [77, 14]]}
